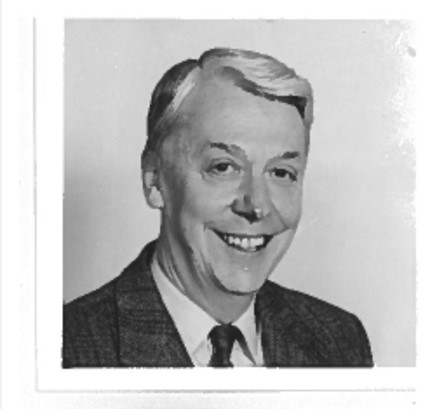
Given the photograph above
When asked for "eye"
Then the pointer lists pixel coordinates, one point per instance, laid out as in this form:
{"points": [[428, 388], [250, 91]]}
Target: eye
{"points": [[223, 168], [283, 174]]}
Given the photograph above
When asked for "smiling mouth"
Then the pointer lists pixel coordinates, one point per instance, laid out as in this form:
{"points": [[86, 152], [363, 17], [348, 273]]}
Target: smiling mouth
{"points": [[244, 242]]}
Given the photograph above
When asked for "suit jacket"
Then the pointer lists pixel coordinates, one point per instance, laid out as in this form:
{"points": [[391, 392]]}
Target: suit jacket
{"points": [[126, 324]]}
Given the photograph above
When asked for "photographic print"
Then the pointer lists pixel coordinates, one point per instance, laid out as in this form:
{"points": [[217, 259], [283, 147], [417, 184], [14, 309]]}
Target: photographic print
{"points": [[262, 181]]}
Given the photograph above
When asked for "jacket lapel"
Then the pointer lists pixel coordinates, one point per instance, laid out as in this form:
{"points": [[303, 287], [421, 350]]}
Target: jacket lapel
{"points": [[147, 334], [286, 340]]}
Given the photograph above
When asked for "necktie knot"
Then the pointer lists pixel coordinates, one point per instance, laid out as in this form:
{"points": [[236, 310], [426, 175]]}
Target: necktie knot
{"points": [[222, 338]]}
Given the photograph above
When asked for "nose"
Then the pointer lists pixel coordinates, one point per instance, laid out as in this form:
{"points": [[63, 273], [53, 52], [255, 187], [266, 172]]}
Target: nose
{"points": [[253, 201]]}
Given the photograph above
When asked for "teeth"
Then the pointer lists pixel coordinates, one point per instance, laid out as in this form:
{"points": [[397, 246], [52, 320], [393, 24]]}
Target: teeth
{"points": [[254, 242], [245, 243]]}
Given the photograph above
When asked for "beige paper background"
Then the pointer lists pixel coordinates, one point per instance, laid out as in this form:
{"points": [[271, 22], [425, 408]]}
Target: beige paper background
{"points": [[356, 243]]}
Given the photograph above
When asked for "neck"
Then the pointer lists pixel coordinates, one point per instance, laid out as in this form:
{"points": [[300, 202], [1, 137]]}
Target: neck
{"points": [[225, 308]]}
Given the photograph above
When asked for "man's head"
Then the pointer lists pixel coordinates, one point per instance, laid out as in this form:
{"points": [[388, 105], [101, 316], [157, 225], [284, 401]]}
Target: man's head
{"points": [[227, 146]]}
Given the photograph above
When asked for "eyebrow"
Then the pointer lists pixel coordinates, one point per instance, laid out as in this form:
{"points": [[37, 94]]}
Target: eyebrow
{"points": [[290, 155], [236, 150], [231, 149]]}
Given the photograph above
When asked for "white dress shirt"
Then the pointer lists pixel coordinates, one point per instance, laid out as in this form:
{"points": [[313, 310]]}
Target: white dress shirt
{"points": [[194, 325]]}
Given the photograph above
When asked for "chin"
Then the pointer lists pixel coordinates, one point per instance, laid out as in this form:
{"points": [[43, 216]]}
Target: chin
{"points": [[242, 286], [242, 263], [239, 280]]}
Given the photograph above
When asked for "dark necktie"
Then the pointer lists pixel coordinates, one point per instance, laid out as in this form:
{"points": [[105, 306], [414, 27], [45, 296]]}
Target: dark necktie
{"points": [[222, 338]]}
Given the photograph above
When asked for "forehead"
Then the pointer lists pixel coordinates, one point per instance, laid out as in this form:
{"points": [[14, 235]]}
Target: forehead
{"points": [[218, 111]]}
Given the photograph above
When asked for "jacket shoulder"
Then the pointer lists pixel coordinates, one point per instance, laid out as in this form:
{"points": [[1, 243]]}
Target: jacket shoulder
{"points": [[338, 333], [91, 322], [89, 328], [305, 304], [91, 306]]}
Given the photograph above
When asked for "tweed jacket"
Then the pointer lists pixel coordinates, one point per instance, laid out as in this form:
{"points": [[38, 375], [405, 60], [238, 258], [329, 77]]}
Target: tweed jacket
{"points": [[125, 324]]}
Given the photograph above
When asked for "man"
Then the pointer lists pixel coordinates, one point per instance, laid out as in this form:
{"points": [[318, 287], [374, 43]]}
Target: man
{"points": [[227, 147]]}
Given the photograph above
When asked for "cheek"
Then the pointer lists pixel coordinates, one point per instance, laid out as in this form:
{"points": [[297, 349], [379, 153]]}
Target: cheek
{"points": [[289, 207], [174, 198], [190, 210], [204, 200]]}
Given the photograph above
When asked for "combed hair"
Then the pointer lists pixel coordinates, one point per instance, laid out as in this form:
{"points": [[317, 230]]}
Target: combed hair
{"points": [[253, 72]]}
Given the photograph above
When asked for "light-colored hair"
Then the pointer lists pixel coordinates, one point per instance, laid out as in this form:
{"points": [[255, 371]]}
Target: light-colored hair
{"points": [[253, 72]]}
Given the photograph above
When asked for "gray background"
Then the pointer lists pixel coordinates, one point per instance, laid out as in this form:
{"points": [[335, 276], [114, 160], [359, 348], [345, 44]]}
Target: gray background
{"points": [[356, 243]]}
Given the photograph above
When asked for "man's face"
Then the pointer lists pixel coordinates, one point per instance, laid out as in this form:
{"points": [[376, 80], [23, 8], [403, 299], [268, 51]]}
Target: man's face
{"points": [[236, 153]]}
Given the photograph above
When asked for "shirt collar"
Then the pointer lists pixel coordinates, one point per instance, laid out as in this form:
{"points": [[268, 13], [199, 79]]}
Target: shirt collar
{"points": [[192, 322]]}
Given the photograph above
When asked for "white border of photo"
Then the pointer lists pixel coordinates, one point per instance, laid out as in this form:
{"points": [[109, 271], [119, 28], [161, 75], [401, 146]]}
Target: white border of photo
{"points": [[35, 348]]}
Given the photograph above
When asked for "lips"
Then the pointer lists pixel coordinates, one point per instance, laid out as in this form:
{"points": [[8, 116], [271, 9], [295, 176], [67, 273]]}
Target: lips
{"points": [[244, 242]]}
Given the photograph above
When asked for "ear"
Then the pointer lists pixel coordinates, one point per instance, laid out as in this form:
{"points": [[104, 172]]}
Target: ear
{"points": [[151, 179]]}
